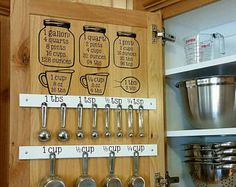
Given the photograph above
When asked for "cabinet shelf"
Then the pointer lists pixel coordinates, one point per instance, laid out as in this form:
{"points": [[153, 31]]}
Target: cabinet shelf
{"points": [[217, 66], [202, 132]]}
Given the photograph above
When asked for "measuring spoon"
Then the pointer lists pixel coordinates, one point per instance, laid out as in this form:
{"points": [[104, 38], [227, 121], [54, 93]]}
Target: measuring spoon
{"points": [[112, 180], [107, 121], [130, 121], [63, 135], [84, 180], [140, 122], [94, 133], [119, 132], [44, 135], [52, 180], [136, 180], [80, 133]]}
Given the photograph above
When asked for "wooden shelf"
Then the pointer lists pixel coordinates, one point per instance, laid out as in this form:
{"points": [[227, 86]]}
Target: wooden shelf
{"points": [[217, 66], [201, 132]]}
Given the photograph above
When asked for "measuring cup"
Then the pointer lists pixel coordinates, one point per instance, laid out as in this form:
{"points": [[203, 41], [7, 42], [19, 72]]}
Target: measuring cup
{"points": [[203, 47], [44, 135], [112, 180], [136, 180], [85, 180], [52, 180]]}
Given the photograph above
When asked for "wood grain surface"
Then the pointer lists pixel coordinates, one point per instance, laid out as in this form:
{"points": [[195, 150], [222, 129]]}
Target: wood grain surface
{"points": [[26, 68], [4, 98]]}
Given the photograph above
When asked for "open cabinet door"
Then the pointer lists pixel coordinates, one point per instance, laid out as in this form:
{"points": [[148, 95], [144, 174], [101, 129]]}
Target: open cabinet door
{"points": [[66, 48]]}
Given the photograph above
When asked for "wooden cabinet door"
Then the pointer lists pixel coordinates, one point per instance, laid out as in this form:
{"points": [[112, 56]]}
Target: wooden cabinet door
{"points": [[66, 48]]}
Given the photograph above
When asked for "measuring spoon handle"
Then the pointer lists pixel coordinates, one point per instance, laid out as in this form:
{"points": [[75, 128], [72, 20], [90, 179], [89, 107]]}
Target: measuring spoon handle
{"points": [[130, 121], [119, 121], [63, 115], [44, 115], [85, 164], [107, 120], [111, 163], [94, 121], [52, 158], [136, 163], [140, 122], [80, 116]]}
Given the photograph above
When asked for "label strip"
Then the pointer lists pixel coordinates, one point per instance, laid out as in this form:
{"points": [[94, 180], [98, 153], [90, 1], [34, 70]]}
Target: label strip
{"points": [[35, 100], [94, 151]]}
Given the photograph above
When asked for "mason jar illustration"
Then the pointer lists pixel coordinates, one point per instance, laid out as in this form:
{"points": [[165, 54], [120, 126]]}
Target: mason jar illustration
{"points": [[126, 50], [56, 44], [94, 47]]}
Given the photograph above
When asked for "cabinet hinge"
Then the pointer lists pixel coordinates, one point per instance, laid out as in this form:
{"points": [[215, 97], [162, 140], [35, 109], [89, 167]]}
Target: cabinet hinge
{"points": [[161, 34], [161, 181]]}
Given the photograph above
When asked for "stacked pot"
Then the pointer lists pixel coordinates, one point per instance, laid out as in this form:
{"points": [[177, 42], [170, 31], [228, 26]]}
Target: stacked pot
{"points": [[211, 163]]}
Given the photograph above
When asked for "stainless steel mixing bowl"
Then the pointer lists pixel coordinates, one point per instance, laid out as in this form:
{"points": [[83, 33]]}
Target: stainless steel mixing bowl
{"points": [[210, 101]]}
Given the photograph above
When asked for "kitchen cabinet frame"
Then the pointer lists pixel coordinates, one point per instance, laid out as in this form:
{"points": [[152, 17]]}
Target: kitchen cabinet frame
{"points": [[16, 70]]}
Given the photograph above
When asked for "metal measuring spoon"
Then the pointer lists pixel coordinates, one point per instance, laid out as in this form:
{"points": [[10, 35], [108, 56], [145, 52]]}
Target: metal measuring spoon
{"points": [[112, 180], [80, 133], [119, 132], [136, 180], [130, 121], [63, 135], [84, 180], [52, 180], [94, 133], [107, 132], [44, 135], [140, 122]]}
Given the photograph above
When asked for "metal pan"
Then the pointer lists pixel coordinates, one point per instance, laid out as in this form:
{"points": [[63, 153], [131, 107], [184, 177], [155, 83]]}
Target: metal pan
{"points": [[225, 145], [211, 173], [210, 152], [227, 159], [112, 180], [198, 146], [52, 180], [136, 180], [84, 180], [202, 153]]}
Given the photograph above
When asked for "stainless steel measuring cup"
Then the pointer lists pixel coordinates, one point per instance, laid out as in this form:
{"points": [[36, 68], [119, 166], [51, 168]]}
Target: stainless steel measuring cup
{"points": [[52, 180], [136, 180], [84, 180], [112, 180]]}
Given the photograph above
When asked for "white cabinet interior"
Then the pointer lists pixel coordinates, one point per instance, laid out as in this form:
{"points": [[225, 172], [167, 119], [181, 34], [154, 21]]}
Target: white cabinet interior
{"points": [[217, 17]]}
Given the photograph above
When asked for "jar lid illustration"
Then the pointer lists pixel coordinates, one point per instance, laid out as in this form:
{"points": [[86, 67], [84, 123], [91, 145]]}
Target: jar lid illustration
{"points": [[94, 29], [126, 34], [56, 23]]}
